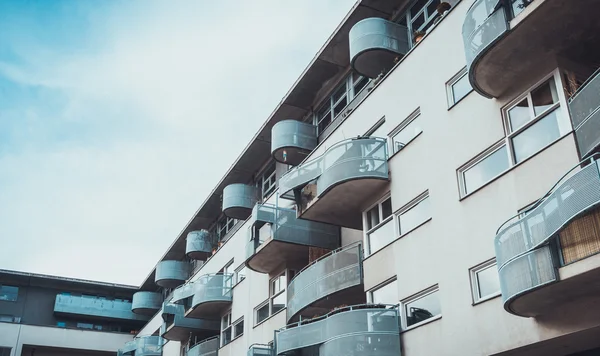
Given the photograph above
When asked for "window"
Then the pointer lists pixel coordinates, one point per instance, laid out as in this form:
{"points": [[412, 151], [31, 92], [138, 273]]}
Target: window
{"points": [[277, 296], [85, 326], [226, 329], [238, 328], [335, 104], [485, 282], [535, 120], [421, 307], [262, 312], [224, 225], [414, 214], [458, 87], [267, 181], [419, 18], [9, 293], [61, 324], [406, 131], [386, 294], [5, 351], [6, 318], [483, 169], [519, 5], [240, 274], [379, 225]]}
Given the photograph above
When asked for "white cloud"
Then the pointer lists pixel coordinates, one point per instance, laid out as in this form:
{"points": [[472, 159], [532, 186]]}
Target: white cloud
{"points": [[167, 94]]}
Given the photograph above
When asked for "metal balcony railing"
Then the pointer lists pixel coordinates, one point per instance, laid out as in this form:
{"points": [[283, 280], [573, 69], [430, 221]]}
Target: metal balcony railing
{"points": [[97, 307]]}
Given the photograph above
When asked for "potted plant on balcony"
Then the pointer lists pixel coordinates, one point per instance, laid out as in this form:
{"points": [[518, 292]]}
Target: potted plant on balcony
{"points": [[418, 36], [443, 7]]}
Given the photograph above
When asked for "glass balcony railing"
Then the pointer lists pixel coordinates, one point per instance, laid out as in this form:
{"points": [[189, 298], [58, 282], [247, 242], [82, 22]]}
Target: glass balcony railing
{"points": [[585, 115], [375, 44], [340, 270], [348, 161], [96, 307], [206, 296], [292, 141], [170, 274], [284, 227], [178, 327], [146, 303], [199, 244], [260, 350], [208, 347], [239, 199], [524, 258], [142, 346], [365, 330]]}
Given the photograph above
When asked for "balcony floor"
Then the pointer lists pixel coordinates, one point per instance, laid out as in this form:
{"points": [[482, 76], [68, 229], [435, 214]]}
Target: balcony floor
{"points": [[208, 310], [543, 34], [273, 254]]}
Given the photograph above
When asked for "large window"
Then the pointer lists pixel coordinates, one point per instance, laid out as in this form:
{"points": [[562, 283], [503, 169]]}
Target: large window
{"points": [[458, 87], [419, 18], [240, 274], [9, 293], [277, 296], [485, 282], [386, 294], [267, 181], [421, 307], [238, 327], [535, 120], [379, 225], [226, 329], [414, 214], [406, 131], [532, 122], [224, 225], [338, 100]]}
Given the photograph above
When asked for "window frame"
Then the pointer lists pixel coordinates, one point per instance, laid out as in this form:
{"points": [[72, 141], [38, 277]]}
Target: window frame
{"points": [[238, 277], [473, 275], [413, 298], [406, 20], [382, 221], [266, 180], [384, 284], [272, 295], [349, 82], [8, 294], [259, 307], [226, 326], [416, 114], [450, 87], [234, 334], [406, 208], [561, 105], [475, 161]]}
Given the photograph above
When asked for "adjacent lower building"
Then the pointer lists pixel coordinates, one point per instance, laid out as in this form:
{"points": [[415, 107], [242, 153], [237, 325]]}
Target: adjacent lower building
{"points": [[428, 186]]}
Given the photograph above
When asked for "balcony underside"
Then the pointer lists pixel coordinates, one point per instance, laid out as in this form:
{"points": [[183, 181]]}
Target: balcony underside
{"points": [[349, 296], [343, 203], [544, 34], [182, 333], [550, 298], [273, 254], [208, 309]]}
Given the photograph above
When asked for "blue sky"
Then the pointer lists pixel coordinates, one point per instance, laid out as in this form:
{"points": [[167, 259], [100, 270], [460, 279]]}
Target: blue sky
{"points": [[118, 117]]}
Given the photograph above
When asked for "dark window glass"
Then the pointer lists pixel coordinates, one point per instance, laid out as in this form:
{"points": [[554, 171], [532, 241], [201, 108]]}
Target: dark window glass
{"points": [[262, 313], [386, 208], [239, 328], [423, 308], [9, 293]]}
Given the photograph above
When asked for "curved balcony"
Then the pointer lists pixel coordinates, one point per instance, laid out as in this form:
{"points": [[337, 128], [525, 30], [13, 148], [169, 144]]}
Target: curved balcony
{"points": [[280, 239], [205, 297], [146, 303], [332, 280], [334, 187], [208, 347], [585, 115], [512, 44], [375, 45], [292, 141], [525, 245], [358, 330], [178, 327], [239, 199], [95, 308], [199, 244], [142, 346], [170, 274]]}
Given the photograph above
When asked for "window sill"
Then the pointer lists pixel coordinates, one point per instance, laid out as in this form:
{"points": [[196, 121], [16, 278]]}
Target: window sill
{"points": [[235, 285], [424, 322], [403, 148], [269, 317], [461, 99], [488, 298], [461, 198], [398, 238]]}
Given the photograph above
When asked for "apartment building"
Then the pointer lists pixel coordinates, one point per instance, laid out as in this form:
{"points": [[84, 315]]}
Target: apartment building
{"points": [[46, 315], [428, 186]]}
